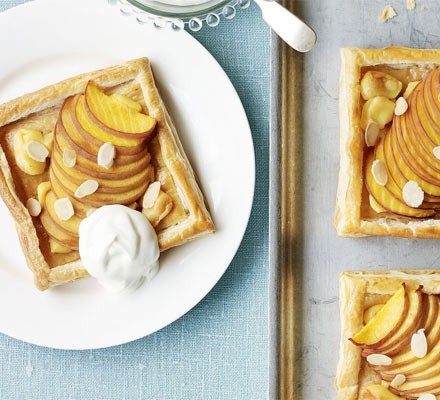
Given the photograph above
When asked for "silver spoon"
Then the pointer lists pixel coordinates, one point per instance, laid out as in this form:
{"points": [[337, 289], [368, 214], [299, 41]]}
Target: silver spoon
{"points": [[289, 27]]}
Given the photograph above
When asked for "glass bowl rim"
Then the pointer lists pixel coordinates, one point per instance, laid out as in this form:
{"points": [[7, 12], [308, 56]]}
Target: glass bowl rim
{"points": [[187, 12]]}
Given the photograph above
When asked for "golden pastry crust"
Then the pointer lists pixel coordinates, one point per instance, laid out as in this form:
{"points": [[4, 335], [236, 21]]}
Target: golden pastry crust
{"points": [[357, 292], [39, 109], [348, 216]]}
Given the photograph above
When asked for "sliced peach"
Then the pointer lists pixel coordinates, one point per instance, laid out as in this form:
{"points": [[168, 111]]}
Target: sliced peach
{"points": [[379, 154], [393, 162], [406, 363], [409, 175], [98, 198], [91, 168], [402, 336], [390, 155], [74, 139], [96, 136], [115, 117], [58, 248], [371, 312], [81, 208], [385, 323], [56, 233], [105, 185], [377, 391], [70, 226], [415, 389], [127, 101], [414, 163], [386, 198]]}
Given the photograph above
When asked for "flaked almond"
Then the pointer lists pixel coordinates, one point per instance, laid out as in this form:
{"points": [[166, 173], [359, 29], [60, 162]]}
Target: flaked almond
{"points": [[412, 194], [428, 396], [436, 151], [419, 345], [86, 188], [379, 172], [37, 151], [401, 106], [90, 211], [34, 207], [151, 195], [106, 155], [379, 359], [371, 134], [64, 208], [398, 380], [69, 157]]}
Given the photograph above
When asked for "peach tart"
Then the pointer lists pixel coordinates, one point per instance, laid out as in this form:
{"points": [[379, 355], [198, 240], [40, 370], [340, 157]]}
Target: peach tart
{"points": [[390, 343], [389, 179], [102, 138]]}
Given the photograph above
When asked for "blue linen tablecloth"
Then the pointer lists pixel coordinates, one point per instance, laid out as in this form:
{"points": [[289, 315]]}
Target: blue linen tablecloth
{"points": [[219, 350]]}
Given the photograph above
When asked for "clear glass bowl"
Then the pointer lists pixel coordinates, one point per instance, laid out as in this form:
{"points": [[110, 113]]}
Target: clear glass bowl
{"points": [[178, 14]]}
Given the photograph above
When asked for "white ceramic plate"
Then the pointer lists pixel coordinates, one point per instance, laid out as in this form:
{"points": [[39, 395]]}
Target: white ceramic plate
{"points": [[45, 41]]}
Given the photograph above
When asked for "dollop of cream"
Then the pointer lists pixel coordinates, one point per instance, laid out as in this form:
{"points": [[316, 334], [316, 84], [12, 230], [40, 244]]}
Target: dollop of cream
{"points": [[119, 247]]}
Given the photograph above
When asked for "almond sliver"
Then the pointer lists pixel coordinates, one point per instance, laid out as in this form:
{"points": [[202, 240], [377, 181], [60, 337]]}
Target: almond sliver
{"points": [[151, 195], [398, 380], [37, 151], [34, 207], [69, 157], [436, 152], [428, 396], [106, 155], [379, 359], [64, 208], [419, 345], [379, 172], [86, 188], [401, 106], [412, 194], [371, 134]]}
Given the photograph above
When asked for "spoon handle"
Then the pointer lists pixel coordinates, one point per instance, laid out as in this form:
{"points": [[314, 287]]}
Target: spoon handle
{"points": [[289, 27]]}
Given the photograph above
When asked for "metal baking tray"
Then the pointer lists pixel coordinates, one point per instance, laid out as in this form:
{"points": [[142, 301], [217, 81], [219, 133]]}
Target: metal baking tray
{"points": [[306, 254]]}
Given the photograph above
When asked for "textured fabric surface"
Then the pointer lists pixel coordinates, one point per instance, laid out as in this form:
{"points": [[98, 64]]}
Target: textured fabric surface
{"points": [[219, 350]]}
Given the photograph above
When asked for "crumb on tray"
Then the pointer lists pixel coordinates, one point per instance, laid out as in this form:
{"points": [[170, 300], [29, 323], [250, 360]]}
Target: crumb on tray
{"points": [[387, 13], [410, 4]]}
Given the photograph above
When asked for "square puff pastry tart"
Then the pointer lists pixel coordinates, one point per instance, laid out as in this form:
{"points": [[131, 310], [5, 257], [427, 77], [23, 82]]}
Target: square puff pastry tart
{"points": [[359, 291], [189, 217], [354, 216]]}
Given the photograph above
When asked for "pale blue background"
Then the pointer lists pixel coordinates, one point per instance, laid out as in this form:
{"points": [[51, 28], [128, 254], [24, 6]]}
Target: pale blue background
{"points": [[219, 350]]}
